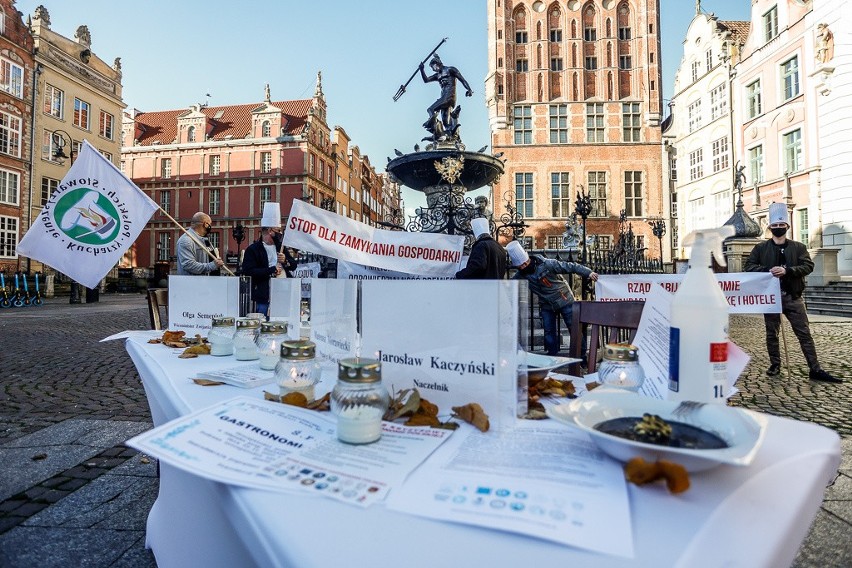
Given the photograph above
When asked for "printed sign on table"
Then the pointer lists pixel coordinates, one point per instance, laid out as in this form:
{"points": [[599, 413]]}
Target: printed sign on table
{"points": [[456, 342], [305, 272], [333, 319], [285, 303], [324, 232], [195, 300], [746, 292]]}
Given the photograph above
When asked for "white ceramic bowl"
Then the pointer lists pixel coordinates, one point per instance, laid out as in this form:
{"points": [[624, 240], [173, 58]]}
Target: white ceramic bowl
{"points": [[538, 366], [743, 430]]}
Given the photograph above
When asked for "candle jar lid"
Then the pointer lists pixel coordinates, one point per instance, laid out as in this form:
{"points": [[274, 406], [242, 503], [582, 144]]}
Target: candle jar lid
{"points": [[298, 350], [621, 352], [359, 370], [224, 321], [273, 326], [248, 323]]}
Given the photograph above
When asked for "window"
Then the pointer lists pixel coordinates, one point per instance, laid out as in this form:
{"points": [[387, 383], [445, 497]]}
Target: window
{"points": [[521, 65], [770, 24], [594, 122], [718, 101], [554, 241], [597, 193], [720, 154], [624, 34], [190, 134], [696, 164], [696, 213], [54, 101], [633, 193], [266, 162], [555, 35], [556, 64], [673, 169], [696, 70], [803, 226], [215, 163], [10, 135], [694, 112], [164, 247], [708, 59], [521, 37], [793, 151], [48, 186], [81, 114], [631, 121], [9, 187], [166, 168], [790, 77], [558, 124], [722, 207], [523, 124], [265, 195], [105, 125], [166, 200], [625, 62], [266, 128], [753, 99], [11, 78], [526, 242], [49, 146], [213, 239], [591, 63], [524, 194], [106, 155], [213, 201], [560, 194], [8, 237], [755, 160], [590, 34]]}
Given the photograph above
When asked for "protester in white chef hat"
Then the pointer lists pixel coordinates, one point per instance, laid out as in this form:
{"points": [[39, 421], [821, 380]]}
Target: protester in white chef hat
{"points": [[544, 276], [789, 261], [487, 258], [266, 257]]}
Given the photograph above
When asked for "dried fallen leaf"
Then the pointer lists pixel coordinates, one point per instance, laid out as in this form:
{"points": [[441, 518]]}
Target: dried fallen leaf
{"points": [[195, 351], [406, 402], [144, 459], [423, 419], [473, 414], [641, 472], [272, 397], [207, 382], [321, 404], [295, 399]]}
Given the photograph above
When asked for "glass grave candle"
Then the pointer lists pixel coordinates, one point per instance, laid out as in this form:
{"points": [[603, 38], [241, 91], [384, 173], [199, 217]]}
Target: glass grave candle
{"points": [[620, 367], [245, 346], [272, 334], [359, 400], [221, 336], [297, 370]]}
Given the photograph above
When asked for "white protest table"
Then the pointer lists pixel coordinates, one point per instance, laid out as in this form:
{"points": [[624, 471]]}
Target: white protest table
{"points": [[731, 516]]}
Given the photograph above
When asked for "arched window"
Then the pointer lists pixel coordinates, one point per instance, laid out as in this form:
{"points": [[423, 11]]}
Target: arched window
{"points": [[190, 134], [266, 128]]}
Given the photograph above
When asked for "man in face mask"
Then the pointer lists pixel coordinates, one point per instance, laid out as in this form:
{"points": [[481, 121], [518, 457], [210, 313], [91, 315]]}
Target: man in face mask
{"points": [[191, 254], [266, 258], [789, 261]]}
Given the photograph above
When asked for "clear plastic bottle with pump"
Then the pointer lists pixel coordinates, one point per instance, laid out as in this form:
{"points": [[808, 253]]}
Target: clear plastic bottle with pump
{"points": [[698, 347]]}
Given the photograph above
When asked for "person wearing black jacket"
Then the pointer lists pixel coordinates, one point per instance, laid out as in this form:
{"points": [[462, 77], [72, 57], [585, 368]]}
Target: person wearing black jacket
{"points": [[487, 260], [789, 261], [265, 258]]}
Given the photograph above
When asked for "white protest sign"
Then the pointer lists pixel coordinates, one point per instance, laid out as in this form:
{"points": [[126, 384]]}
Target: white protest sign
{"points": [[456, 342], [746, 292], [305, 272], [353, 271], [195, 300], [285, 303], [334, 327], [324, 232]]}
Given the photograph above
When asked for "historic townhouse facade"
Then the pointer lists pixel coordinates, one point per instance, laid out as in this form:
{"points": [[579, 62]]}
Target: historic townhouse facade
{"points": [[78, 97], [574, 100], [702, 126], [16, 96]]}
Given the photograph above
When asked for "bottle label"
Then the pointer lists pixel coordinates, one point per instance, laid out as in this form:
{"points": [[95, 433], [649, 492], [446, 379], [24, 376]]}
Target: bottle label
{"points": [[719, 352], [674, 359]]}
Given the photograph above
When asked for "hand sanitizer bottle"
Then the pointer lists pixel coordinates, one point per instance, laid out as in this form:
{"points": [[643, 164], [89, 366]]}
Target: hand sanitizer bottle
{"points": [[698, 348]]}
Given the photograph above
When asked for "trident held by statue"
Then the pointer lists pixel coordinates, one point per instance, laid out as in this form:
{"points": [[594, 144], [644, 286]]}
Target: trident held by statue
{"points": [[401, 90]]}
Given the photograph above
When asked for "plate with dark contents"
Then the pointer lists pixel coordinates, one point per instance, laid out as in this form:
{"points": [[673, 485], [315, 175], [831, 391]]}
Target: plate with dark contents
{"points": [[626, 425]]}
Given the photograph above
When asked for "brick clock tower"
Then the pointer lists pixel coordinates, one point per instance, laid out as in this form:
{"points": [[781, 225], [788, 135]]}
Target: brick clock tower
{"points": [[574, 102]]}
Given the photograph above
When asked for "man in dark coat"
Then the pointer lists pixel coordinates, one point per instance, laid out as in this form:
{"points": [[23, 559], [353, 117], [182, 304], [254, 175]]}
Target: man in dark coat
{"points": [[487, 260], [265, 258], [789, 261]]}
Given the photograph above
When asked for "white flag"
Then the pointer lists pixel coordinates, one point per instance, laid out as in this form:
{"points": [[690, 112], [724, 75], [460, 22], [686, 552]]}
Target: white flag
{"points": [[91, 219]]}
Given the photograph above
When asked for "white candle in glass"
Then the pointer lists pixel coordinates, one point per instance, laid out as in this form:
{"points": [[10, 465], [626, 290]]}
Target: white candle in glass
{"points": [[359, 424]]}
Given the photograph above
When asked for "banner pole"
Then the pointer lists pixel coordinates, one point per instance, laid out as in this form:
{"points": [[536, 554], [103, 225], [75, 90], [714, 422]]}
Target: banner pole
{"points": [[191, 236]]}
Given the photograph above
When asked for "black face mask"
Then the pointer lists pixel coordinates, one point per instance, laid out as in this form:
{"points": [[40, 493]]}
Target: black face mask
{"points": [[778, 231]]}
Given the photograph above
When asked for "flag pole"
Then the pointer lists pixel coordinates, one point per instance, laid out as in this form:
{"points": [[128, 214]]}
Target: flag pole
{"points": [[191, 236]]}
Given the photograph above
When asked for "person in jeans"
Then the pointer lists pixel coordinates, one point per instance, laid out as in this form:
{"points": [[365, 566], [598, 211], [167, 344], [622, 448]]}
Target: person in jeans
{"points": [[545, 279], [789, 261], [192, 257]]}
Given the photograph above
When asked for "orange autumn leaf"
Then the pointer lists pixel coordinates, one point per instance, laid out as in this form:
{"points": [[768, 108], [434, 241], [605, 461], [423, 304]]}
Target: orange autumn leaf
{"points": [[295, 399], [422, 419], [473, 414], [640, 472], [207, 382]]}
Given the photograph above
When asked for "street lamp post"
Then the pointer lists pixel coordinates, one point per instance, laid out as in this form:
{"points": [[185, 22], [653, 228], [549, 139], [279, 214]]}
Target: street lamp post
{"points": [[583, 208], [658, 228], [239, 233], [58, 137]]}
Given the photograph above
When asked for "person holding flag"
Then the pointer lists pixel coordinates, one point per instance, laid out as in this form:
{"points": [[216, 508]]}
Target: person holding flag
{"points": [[193, 247]]}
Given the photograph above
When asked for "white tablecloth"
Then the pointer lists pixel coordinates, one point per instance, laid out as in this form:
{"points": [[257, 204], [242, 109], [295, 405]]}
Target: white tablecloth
{"points": [[731, 516]]}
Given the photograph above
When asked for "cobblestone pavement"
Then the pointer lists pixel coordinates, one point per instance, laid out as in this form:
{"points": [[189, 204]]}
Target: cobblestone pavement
{"points": [[72, 494]]}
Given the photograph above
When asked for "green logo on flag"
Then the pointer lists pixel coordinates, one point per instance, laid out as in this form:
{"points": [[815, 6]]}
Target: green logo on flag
{"points": [[86, 216]]}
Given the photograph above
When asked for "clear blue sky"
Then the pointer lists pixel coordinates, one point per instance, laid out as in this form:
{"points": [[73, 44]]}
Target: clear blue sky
{"points": [[174, 52]]}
